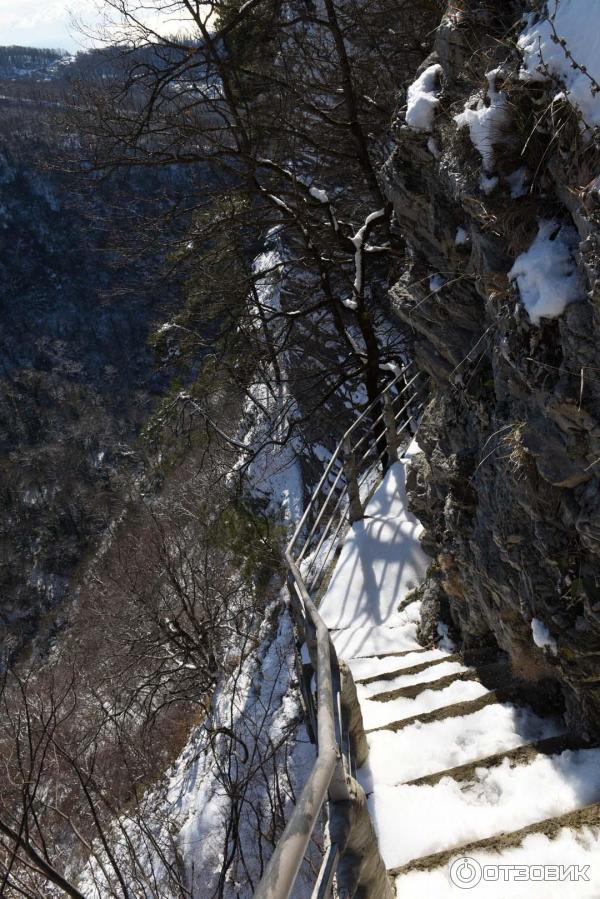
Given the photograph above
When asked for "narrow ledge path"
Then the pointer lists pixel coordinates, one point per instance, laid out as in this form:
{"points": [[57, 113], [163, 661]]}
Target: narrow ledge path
{"points": [[457, 766]]}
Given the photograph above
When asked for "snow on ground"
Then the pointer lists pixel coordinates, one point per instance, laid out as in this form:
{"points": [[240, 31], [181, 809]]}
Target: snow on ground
{"points": [[421, 749], [380, 562], [495, 800], [488, 125], [577, 22], [389, 499], [274, 473], [546, 273], [318, 194], [379, 714], [488, 184], [399, 635], [258, 703], [422, 99]]}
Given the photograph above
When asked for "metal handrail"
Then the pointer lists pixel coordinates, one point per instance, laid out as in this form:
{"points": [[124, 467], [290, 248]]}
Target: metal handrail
{"points": [[329, 775]]}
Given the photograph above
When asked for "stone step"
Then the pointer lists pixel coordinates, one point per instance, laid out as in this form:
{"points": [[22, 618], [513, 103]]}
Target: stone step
{"points": [[444, 817], [587, 816], [420, 750], [413, 690], [520, 755], [393, 655], [414, 669], [422, 700], [449, 711]]}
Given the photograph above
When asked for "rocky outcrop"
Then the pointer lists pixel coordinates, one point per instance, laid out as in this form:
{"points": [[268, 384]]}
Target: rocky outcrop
{"points": [[507, 486]]}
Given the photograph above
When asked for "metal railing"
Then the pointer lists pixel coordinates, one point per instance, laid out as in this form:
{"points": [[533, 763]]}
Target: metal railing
{"points": [[356, 465]]}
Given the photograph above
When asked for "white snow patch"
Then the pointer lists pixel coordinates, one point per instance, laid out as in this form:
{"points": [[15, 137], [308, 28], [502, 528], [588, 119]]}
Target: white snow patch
{"points": [[517, 182], [546, 273], [577, 22], [446, 642], [380, 562], [375, 640], [495, 800], [358, 241], [436, 282], [461, 237], [487, 124], [487, 183], [422, 99], [390, 499], [434, 147], [318, 194], [542, 636]]}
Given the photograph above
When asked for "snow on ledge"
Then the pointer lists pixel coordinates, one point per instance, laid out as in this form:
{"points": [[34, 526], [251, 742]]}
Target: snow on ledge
{"points": [[542, 636], [422, 99], [487, 124], [577, 23], [546, 273]]}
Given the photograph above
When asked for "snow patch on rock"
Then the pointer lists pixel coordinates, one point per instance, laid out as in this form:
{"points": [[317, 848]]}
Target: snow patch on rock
{"points": [[546, 273], [542, 636], [577, 23], [422, 99], [487, 122]]}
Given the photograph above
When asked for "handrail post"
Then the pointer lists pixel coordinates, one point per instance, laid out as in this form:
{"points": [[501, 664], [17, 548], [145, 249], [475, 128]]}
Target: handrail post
{"points": [[390, 428], [355, 509]]}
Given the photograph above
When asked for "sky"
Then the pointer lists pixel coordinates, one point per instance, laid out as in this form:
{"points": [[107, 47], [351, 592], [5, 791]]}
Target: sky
{"points": [[43, 23], [49, 23]]}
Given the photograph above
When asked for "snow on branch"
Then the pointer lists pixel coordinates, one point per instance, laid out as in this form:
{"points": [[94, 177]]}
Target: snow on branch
{"points": [[358, 240]]}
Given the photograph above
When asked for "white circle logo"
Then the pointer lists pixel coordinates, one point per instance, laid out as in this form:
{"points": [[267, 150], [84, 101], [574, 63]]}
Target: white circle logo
{"points": [[465, 873]]}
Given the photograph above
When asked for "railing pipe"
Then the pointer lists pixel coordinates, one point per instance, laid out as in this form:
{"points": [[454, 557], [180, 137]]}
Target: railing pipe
{"points": [[338, 449], [281, 872]]}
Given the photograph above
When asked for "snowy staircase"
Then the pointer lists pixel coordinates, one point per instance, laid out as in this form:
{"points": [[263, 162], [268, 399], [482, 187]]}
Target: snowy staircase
{"points": [[457, 766]]}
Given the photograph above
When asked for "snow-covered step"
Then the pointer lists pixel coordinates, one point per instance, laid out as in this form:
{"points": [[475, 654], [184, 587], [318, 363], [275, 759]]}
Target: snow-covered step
{"points": [[519, 755], [380, 692], [366, 671], [452, 814], [457, 709], [495, 674], [393, 713], [367, 640], [389, 688], [423, 749], [569, 839]]}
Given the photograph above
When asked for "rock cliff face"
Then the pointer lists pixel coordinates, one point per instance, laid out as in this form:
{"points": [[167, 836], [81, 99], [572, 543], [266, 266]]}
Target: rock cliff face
{"points": [[507, 486]]}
